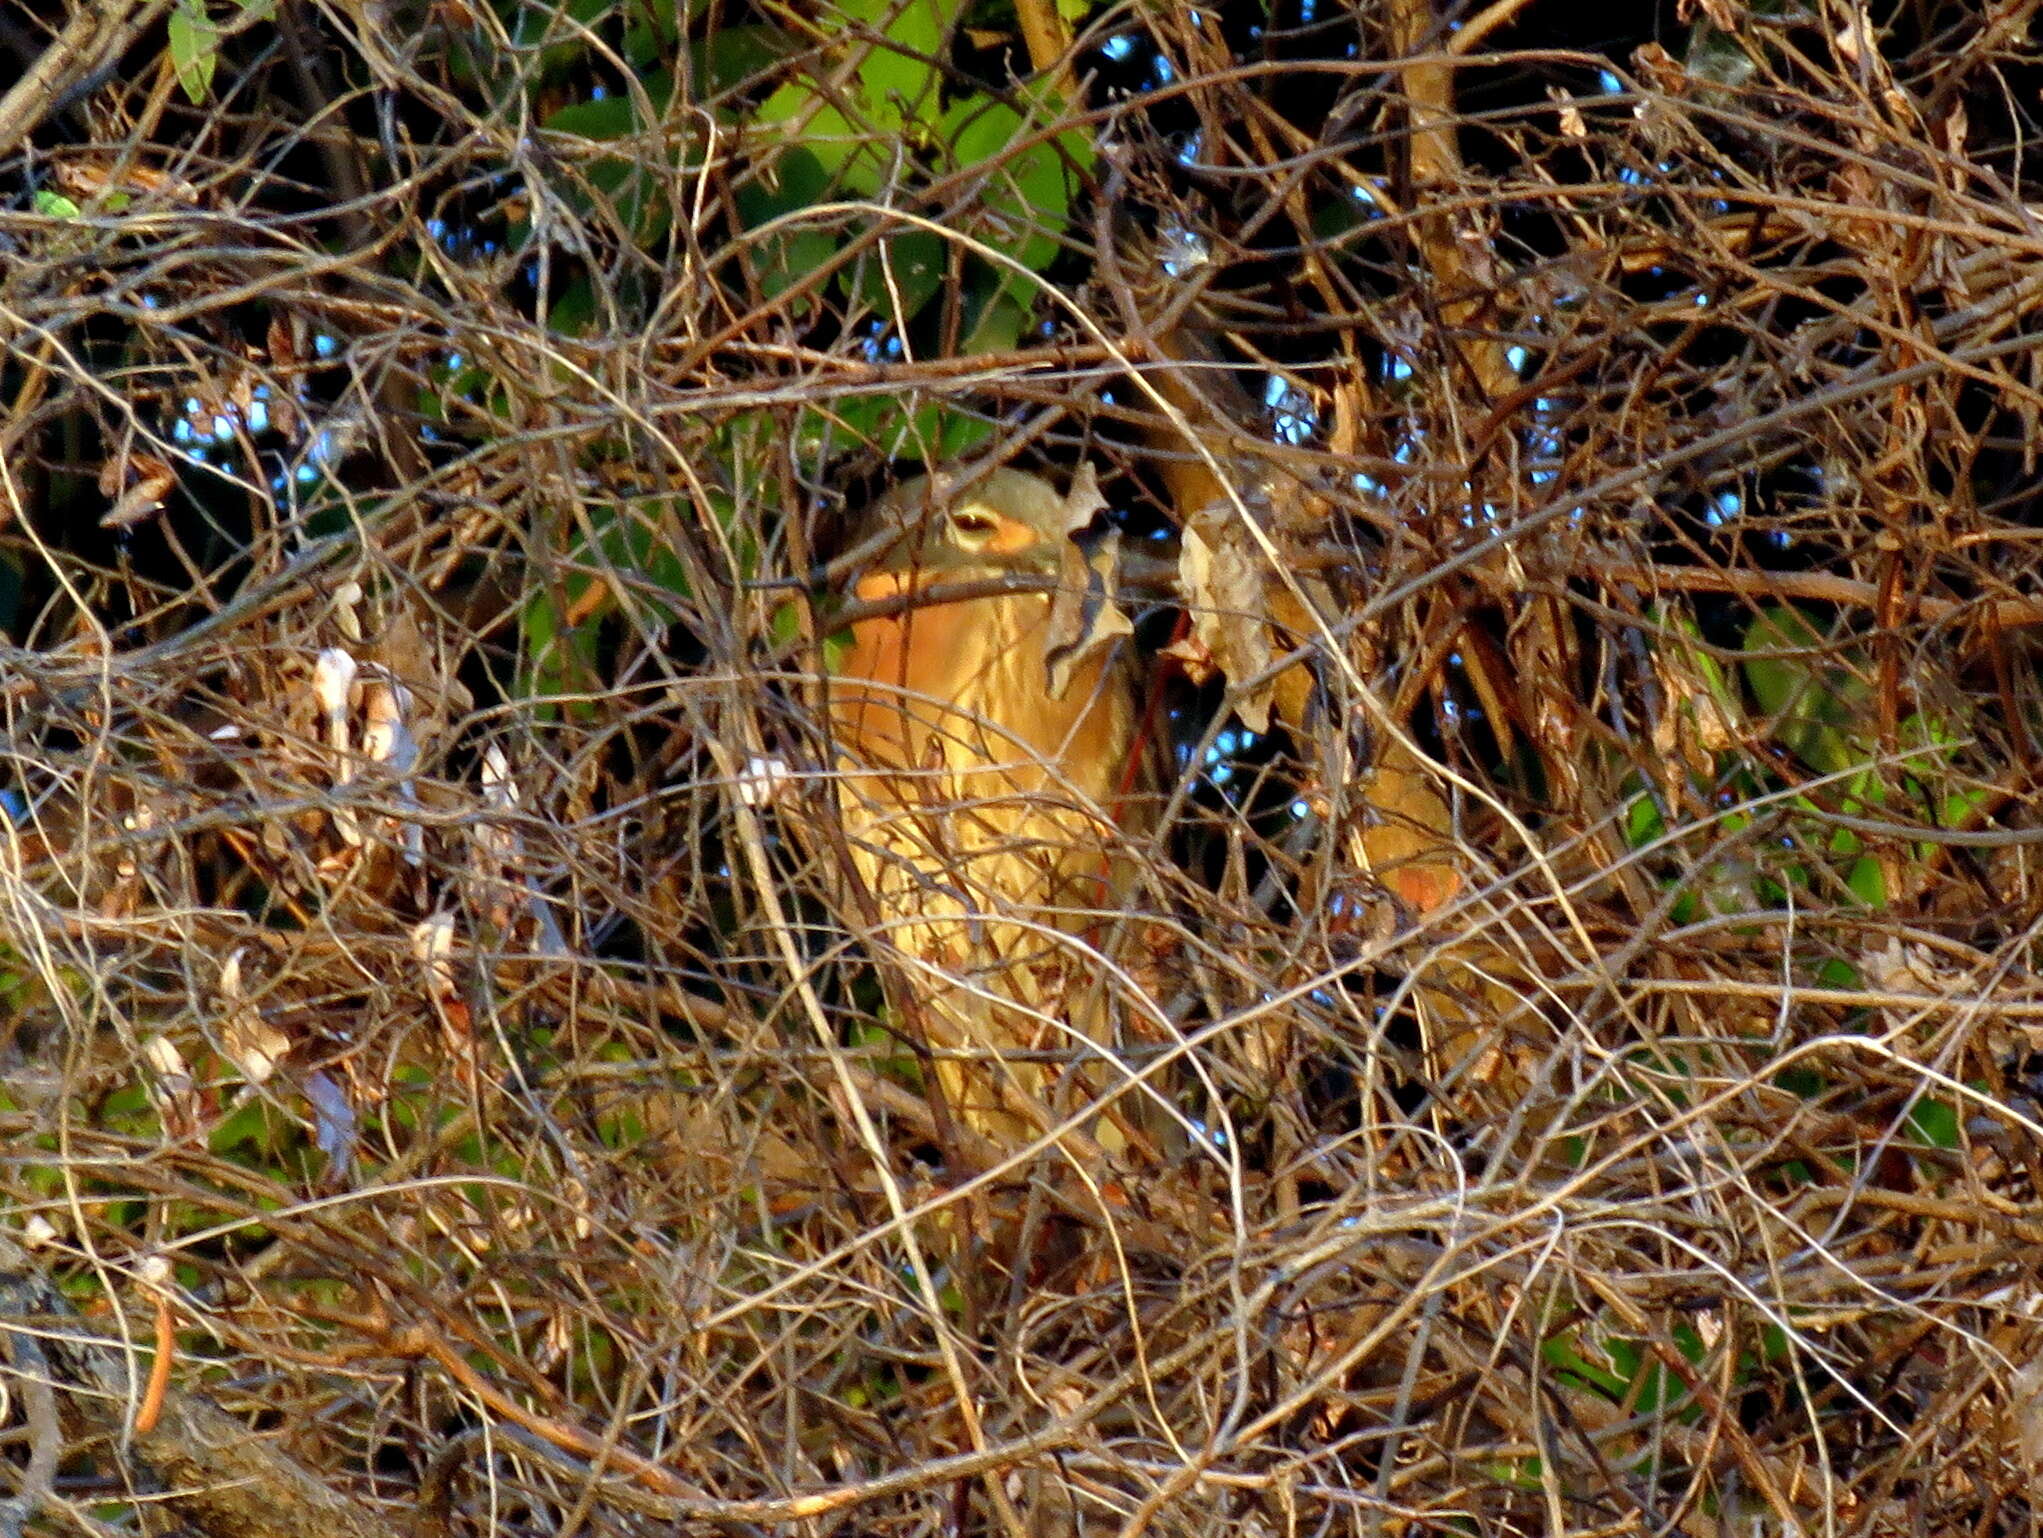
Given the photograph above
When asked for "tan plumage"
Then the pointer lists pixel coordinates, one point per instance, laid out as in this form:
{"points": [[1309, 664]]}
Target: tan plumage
{"points": [[980, 807]]}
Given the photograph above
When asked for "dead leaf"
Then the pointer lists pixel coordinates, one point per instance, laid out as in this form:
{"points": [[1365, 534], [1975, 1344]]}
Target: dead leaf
{"points": [[1083, 503], [1222, 581], [1191, 654], [1660, 69], [1292, 689], [251, 1043], [2025, 1409], [86, 179], [1086, 618], [170, 1085], [140, 484]]}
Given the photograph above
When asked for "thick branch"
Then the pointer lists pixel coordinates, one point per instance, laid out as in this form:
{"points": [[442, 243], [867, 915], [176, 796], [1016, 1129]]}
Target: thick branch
{"points": [[94, 36], [218, 1477]]}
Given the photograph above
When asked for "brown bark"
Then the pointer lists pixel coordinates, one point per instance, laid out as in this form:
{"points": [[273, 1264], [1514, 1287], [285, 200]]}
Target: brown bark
{"points": [[217, 1477]]}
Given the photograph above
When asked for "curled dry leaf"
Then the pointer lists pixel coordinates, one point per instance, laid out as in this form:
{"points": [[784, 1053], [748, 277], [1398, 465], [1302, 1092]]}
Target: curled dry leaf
{"points": [[1298, 518], [1660, 71], [347, 610], [170, 1082], [432, 945], [333, 675], [333, 679], [251, 1043], [90, 177], [1901, 968], [1221, 573], [762, 781], [139, 484], [501, 851], [121, 897], [2025, 1409], [498, 849], [1190, 653], [286, 344], [387, 738], [412, 657], [1085, 617]]}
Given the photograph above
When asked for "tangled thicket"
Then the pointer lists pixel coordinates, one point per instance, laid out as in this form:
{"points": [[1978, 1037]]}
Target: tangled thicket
{"points": [[1596, 935]]}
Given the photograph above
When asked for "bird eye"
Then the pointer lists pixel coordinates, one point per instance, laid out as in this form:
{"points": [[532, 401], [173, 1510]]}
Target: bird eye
{"points": [[973, 528]]}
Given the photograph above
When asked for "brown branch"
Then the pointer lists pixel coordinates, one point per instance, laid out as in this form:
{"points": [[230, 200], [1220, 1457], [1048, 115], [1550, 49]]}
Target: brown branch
{"points": [[1817, 587], [218, 1476], [94, 37], [1045, 32]]}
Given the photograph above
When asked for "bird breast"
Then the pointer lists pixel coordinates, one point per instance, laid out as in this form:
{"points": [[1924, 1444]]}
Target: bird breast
{"points": [[964, 771], [964, 687]]}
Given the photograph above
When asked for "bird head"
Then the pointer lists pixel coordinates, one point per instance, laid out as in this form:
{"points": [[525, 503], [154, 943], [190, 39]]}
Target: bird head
{"points": [[953, 527], [949, 622], [960, 526]]}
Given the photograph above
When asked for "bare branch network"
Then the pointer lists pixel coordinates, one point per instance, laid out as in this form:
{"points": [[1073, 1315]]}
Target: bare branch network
{"points": [[1556, 1049]]}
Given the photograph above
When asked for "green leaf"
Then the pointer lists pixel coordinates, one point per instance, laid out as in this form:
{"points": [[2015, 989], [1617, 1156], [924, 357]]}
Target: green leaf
{"points": [[246, 1129], [1811, 701], [790, 255], [908, 265], [573, 312], [795, 180], [650, 30], [1868, 882], [1936, 1122], [784, 624], [1028, 193], [961, 433], [1779, 682], [1561, 1353], [998, 326], [920, 24], [610, 118], [562, 49], [859, 128], [852, 419], [849, 154], [1834, 972], [560, 659], [194, 48], [731, 56], [898, 85], [54, 205], [1643, 822], [937, 432], [629, 185]]}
